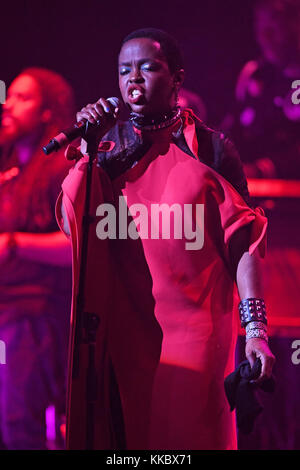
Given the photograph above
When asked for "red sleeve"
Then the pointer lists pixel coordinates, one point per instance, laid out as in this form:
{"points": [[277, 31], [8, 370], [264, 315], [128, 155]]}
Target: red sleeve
{"points": [[234, 214]]}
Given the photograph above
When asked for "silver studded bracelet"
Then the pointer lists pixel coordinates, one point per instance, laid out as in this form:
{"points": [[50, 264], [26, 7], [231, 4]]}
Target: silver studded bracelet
{"points": [[256, 333], [253, 318]]}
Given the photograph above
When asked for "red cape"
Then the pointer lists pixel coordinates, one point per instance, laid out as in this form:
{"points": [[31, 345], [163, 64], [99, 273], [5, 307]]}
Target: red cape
{"points": [[166, 328]]}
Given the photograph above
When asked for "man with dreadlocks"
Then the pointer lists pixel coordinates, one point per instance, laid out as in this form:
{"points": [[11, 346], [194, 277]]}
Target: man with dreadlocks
{"points": [[35, 274]]}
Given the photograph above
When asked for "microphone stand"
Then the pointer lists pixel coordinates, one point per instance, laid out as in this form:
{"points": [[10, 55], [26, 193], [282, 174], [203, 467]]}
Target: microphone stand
{"points": [[89, 321]]}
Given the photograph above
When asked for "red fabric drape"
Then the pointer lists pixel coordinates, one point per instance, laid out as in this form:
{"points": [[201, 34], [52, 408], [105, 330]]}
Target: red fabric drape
{"points": [[167, 325]]}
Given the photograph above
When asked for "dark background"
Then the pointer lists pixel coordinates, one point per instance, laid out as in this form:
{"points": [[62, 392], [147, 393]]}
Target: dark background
{"points": [[81, 41]]}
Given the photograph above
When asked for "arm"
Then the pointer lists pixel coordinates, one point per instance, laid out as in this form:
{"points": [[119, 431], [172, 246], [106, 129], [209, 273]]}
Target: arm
{"points": [[101, 110], [230, 165], [49, 248], [249, 283]]}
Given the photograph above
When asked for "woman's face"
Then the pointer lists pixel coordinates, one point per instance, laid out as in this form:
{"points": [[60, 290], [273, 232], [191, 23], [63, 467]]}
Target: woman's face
{"points": [[145, 81]]}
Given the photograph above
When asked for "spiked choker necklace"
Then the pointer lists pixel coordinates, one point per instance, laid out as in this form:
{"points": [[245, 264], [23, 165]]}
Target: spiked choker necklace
{"points": [[150, 123]]}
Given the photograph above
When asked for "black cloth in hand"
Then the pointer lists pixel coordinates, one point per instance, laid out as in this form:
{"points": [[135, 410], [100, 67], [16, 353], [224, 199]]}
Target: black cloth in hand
{"points": [[241, 394]]}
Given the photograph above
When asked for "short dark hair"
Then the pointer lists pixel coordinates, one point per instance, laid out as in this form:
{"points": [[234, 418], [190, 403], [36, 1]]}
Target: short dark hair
{"points": [[169, 45]]}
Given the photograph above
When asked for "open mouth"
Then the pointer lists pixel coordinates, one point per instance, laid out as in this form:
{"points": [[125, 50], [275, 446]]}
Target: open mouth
{"points": [[136, 95]]}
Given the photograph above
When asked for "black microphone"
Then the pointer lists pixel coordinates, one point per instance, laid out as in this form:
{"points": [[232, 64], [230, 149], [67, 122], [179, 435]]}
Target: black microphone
{"points": [[77, 130]]}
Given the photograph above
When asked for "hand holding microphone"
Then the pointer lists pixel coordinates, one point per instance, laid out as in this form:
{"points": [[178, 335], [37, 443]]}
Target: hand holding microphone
{"points": [[94, 119]]}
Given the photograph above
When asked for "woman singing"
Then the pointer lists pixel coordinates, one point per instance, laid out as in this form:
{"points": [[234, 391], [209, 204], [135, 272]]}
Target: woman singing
{"points": [[171, 235]]}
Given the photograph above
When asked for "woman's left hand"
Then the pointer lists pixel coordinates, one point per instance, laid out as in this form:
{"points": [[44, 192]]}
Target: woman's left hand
{"points": [[259, 348]]}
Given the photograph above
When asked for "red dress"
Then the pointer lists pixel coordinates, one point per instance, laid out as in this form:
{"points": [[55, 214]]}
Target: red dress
{"points": [[168, 327]]}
